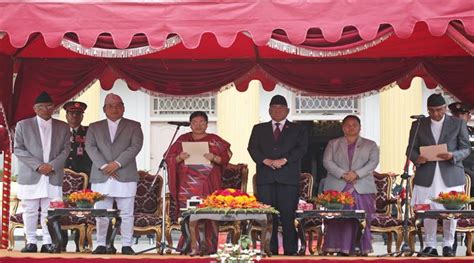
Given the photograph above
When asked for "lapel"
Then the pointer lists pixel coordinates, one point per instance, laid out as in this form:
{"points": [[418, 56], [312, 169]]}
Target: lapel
{"points": [[285, 130], [446, 124], [36, 132], [105, 129], [427, 126], [120, 128], [54, 134], [343, 150], [357, 148]]}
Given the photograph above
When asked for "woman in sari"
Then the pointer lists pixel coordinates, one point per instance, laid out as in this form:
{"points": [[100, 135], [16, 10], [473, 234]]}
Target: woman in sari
{"points": [[350, 161], [186, 181]]}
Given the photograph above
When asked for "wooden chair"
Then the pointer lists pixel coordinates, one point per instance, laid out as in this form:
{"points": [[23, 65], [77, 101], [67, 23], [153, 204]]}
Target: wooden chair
{"points": [[72, 182], [312, 225], [383, 221], [463, 225]]}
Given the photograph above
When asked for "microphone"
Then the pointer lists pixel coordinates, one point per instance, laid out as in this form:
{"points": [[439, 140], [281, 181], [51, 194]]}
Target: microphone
{"points": [[179, 123], [421, 116]]}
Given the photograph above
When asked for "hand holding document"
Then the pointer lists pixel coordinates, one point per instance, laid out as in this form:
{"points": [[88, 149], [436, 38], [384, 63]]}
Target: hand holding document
{"points": [[431, 152], [196, 151]]}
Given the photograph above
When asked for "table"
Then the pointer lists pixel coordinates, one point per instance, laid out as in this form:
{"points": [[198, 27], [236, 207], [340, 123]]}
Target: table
{"points": [[54, 224], [191, 221], [441, 214], [328, 215]]}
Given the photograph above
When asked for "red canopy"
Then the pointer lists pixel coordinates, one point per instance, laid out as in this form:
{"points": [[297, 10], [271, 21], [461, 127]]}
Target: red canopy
{"points": [[331, 48]]}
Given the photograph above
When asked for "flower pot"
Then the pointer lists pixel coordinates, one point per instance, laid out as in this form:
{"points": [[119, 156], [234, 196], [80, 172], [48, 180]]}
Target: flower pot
{"points": [[453, 206], [334, 206], [84, 204]]}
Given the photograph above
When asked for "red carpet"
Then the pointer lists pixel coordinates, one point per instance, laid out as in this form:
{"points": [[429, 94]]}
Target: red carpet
{"points": [[16, 257]]}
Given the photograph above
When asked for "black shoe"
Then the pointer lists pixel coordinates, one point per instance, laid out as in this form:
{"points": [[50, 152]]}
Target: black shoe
{"points": [[111, 250], [47, 248], [127, 251], [274, 253], [448, 252], [30, 248], [99, 250], [290, 254], [342, 254], [429, 252]]}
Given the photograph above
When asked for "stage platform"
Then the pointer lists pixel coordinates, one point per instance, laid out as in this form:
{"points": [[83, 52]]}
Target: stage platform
{"points": [[17, 257]]}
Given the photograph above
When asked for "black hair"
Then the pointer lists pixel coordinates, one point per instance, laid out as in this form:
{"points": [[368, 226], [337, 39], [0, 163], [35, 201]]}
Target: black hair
{"points": [[351, 117], [198, 114]]}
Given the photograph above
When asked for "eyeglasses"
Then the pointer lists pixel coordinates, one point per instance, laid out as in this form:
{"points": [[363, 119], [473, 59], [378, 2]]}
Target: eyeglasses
{"points": [[201, 123], [45, 107], [77, 113]]}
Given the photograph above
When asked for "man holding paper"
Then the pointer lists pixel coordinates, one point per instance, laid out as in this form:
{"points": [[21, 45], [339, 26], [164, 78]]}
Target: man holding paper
{"points": [[196, 162], [442, 172]]}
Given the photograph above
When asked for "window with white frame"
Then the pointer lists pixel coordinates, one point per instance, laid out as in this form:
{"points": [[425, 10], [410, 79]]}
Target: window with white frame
{"points": [[182, 105]]}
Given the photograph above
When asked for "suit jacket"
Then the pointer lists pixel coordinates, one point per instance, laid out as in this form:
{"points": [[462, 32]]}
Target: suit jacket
{"points": [[29, 151], [76, 161], [364, 162], [127, 144], [454, 133], [292, 145]]}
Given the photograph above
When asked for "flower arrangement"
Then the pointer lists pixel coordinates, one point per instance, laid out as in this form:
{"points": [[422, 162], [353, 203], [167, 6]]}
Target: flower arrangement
{"points": [[334, 199], [452, 200], [238, 253], [233, 199], [85, 198]]}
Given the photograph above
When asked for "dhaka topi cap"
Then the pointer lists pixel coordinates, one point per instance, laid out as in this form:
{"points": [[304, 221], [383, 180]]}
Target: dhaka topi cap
{"points": [[278, 100], [458, 107], [43, 98], [112, 98], [436, 100], [75, 106]]}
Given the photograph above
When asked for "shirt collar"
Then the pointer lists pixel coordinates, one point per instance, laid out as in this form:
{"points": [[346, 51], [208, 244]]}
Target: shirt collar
{"points": [[282, 123], [114, 122], [42, 121]]}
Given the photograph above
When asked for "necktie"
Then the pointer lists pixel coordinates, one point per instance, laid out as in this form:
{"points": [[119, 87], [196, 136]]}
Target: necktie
{"points": [[276, 132]]}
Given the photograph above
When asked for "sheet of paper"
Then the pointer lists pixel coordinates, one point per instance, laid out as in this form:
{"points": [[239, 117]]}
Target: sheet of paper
{"points": [[196, 150], [430, 152]]}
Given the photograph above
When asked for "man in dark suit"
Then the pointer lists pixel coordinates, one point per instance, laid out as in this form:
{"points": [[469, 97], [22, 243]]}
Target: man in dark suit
{"points": [[78, 159], [445, 175], [277, 148]]}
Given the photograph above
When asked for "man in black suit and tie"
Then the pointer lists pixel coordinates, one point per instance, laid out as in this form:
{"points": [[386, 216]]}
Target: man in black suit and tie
{"points": [[277, 148]]}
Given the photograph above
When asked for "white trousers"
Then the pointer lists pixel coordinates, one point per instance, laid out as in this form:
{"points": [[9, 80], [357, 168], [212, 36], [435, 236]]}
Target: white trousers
{"points": [[449, 229], [30, 219], [126, 206]]}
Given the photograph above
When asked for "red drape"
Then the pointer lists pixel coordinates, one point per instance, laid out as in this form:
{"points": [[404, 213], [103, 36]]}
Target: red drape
{"points": [[6, 84], [179, 77], [64, 78], [61, 78]]}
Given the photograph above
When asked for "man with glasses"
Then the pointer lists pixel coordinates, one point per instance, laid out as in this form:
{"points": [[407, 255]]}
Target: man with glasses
{"points": [[41, 146], [434, 177]]}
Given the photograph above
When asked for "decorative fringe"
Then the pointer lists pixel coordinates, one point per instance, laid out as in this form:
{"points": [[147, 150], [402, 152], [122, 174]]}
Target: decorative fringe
{"points": [[118, 53], [310, 52]]}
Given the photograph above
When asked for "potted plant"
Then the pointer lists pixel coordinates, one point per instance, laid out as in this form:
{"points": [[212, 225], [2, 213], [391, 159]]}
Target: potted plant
{"points": [[85, 198], [335, 200], [452, 200]]}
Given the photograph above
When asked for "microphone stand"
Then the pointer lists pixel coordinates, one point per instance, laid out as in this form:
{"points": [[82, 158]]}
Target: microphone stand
{"points": [[405, 249], [163, 244]]}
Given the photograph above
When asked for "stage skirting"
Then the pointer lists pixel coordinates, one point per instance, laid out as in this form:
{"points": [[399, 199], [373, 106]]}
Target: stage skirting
{"points": [[17, 257]]}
